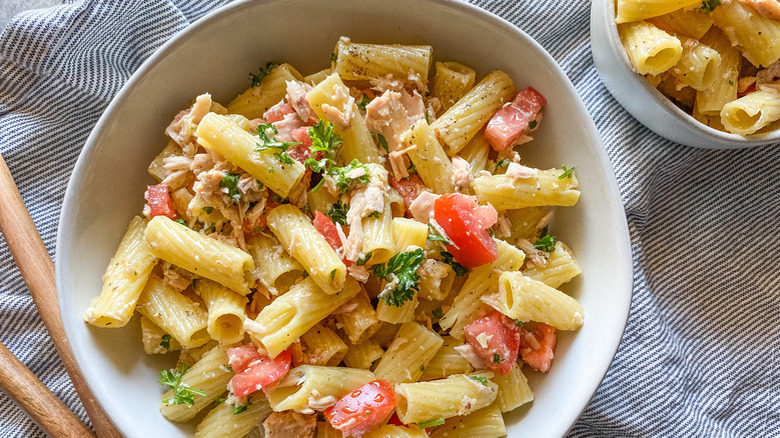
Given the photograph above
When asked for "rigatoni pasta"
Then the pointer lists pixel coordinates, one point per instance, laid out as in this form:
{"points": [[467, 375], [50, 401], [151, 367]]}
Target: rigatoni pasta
{"points": [[326, 239]]}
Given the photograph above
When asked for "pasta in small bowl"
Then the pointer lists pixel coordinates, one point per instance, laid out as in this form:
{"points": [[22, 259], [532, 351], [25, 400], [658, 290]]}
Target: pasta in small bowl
{"points": [[379, 230], [701, 73]]}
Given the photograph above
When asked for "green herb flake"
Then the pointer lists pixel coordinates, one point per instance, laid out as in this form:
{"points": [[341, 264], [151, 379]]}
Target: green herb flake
{"points": [[518, 323], [230, 182], [411, 170], [219, 401], [731, 82], [435, 236], [323, 138], [481, 379], [338, 213], [240, 409], [422, 368], [183, 394], [431, 423], [257, 79], [459, 269], [437, 313], [500, 163], [181, 221], [343, 181], [334, 57], [708, 6], [268, 141], [374, 215], [365, 100], [383, 142], [332, 274], [532, 124], [497, 358], [362, 260], [402, 269], [305, 274], [166, 341], [567, 173], [546, 243], [208, 210]]}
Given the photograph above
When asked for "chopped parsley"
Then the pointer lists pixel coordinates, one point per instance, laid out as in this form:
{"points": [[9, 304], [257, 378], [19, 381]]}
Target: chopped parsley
{"points": [[332, 274], [230, 182], [437, 313], [182, 394], [459, 269], [166, 341], [383, 142], [219, 401], [343, 181], [208, 210], [401, 269], [546, 243], [333, 57], [181, 221], [338, 213], [323, 138], [497, 358], [362, 260], [239, 409], [567, 173], [435, 236], [422, 368], [731, 82], [708, 6], [365, 100], [272, 143], [411, 170], [374, 215], [518, 323], [427, 117], [500, 163], [326, 141], [257, 79], [532, 124], [431, 423], [481, 379]]}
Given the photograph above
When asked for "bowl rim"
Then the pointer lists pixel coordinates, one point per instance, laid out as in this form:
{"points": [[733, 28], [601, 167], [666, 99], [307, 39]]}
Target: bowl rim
{"points": [[738, 141], [623, 279]]}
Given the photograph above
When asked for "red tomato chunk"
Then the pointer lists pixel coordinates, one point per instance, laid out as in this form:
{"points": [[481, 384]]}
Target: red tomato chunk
{"points": [[363, 409], [159, 200], [537, 346], [465, 222], [409, 189], [258, 373], [496, 339], [511, 123]]}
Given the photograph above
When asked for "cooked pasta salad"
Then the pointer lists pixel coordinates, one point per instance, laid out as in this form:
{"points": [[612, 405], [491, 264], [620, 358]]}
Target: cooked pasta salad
{"points": [[358, 252], [717, 59]]}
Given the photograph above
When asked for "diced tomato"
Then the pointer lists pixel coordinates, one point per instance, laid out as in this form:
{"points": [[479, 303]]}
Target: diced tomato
{"points": [[512, 122], [537, 346], [159, 200], [302, 135], [465, 222], [395, 421], [409, 189], [328, 229], [260, 373], [241, 357], [362, 409], [496, 339], [277, 112]]}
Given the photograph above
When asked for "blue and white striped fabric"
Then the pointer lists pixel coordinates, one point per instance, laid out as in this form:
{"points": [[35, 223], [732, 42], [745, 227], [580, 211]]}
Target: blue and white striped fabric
{"points": [[700, 355]]}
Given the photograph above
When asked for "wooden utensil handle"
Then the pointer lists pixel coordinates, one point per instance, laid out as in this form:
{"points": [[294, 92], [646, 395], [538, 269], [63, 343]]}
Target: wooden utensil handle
{"points": [[36, 267], [44, 408]]}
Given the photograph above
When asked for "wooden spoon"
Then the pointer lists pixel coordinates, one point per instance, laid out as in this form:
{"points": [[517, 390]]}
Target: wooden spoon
{"points": [[37, 269]]}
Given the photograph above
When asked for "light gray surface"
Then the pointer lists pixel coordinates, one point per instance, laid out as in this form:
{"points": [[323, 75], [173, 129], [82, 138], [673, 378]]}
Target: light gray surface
{"points": [[9, 8]]}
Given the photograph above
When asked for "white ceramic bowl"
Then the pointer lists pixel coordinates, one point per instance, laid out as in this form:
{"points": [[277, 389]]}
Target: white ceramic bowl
{"points": [[646, 103], [216, 54]]}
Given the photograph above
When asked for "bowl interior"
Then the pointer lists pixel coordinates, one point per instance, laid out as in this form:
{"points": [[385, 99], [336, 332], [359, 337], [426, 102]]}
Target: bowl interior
{"points": [[215, 55], [645, 102]]}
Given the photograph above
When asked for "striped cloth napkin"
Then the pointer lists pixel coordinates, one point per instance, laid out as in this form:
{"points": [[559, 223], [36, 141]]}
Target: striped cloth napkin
{"points": [[700, 353]]}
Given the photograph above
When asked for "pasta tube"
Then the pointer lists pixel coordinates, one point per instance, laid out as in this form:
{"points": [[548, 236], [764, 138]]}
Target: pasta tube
{"points": [[302, 241], [756, 34], [276, 269], [459, 394], [546, 187], [451, 81], [309, 388], [173, 312], [459, 124], [291, 315], [524, 299], [651, 50], [752, 112], [226, 311], [513, 390], [484, 423], [124, 279], [406, 358], [255, 101], [432, 163], [635, 10], [198, 253], [356, 62]]}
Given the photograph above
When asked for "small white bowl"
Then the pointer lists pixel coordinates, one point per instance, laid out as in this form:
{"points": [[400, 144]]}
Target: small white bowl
{"points": [[646, 103], [216, 54]]}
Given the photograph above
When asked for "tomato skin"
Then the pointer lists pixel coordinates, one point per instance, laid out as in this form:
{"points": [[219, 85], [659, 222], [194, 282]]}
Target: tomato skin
{"points": [[277, 112], [515, 120], [466, 223], [409, 189], [363, 409], [500, 337], [260, 373], [328, 229], [537, 346], [159, 200]]}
